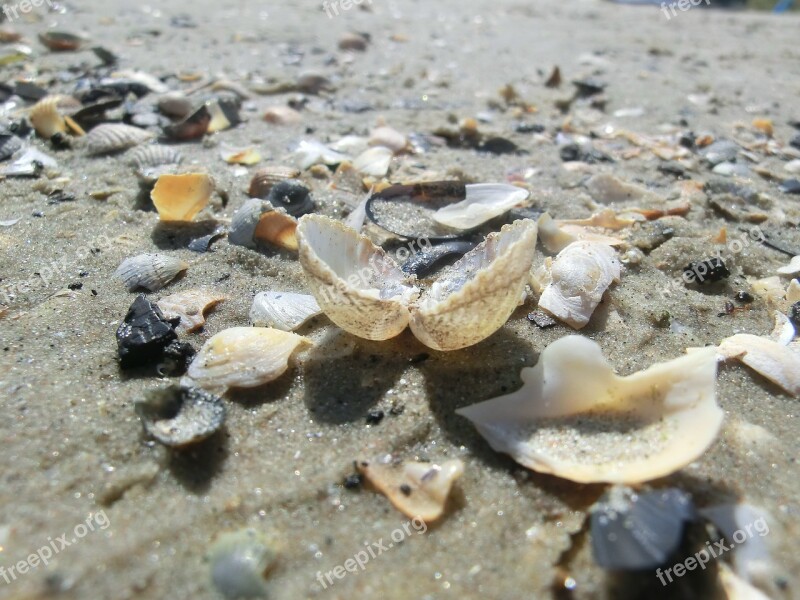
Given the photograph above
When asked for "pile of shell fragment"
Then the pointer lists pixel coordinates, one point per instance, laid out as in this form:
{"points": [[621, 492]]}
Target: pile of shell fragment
{"points": [[476, 262]]}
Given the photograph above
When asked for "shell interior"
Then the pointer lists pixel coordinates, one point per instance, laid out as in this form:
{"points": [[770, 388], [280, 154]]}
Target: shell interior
{"points": [[181, 197]]}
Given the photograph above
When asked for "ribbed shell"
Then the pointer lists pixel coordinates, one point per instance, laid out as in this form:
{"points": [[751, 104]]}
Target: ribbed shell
{"points": [[266, 177], [149, 271], [115, 137], [146, 157], [283, 310]]}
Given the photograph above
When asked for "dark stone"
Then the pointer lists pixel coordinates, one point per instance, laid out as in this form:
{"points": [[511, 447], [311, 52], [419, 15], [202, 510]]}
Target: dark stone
{"points": [[144, 334], [790, 186], [710, 269], [374, 417]]}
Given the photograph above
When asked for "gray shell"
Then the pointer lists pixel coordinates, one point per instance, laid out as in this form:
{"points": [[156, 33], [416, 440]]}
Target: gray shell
{"points": [[154, 156], [245, 221], [114, 137], [240, 561], [149, 271], [178, 417]]}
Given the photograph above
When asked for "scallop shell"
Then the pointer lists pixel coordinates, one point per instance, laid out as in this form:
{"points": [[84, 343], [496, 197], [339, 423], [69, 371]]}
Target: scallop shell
{"points": [[240, 561], [363, 291], [189, 307], [115, 137], [283, 310], [46, 118], [777, 362], [181, 197], [600, 427], [483, 202], [417, 489], [579, 277], [179, 417], [149, 271], [242, 357], [257, 220], [146, 157], [374, 162], [266, 177]]}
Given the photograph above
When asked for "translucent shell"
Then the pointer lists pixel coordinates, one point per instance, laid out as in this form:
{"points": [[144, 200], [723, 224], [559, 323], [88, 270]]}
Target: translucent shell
{"points": [[181, 197]]}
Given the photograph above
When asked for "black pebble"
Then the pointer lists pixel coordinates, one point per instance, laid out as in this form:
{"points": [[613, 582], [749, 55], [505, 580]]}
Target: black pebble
{"points": [[374, 417], [144, 334], [75, 286], [702, 271], [794, 315], [744, 297], [790, 186], [352, 482]]}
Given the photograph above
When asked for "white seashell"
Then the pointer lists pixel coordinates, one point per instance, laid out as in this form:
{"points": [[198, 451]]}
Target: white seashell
{"points": [[484, 201], [242, 357], [312, 152], [606, 188], [240, 561], [115, 137], [576, 419], [770, 289], [149, 271], [189, 306], [373, 162], [239, 156], [153, 83], [783, 332], [175, 104], [351, 144], [793, 166], [363, 291], [792, 269], [579, 276], [283, 310], [282, 115], [146, 157], [46, 118], [557, 235], [793, 291], [774, 361], [607, 219], [417, 489], [388, 137]]}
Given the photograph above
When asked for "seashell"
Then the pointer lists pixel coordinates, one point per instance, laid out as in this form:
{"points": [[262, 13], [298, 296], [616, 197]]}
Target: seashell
{"points": [[792, 269], [224, 114], [189, 307], [46, 118], [312, 152], [115, 137], [154, 155], [178, 417], [292, 196], [483, 202], [556, 237], [607, 219], [635, 530], [783, 332], [363, 291], [62, 41], [774, 361], [351, 144], [431, 259], [239, 156], [373, 162], [181, 197], [149, 271], [417, 489], [258, 220], [354, 41], [193, 127], [601, 427], [793, 291], [606, 189], [266, 177], [283, 310], [282, 115], [203, 243], [240, 562], [579, 276], [242, 357], [388, 137], [143, 335], [736, 587], [175, 104]]}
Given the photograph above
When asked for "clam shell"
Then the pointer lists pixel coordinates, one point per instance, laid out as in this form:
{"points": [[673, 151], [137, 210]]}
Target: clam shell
{"points": [[175, 104], [245, 220], [374, 162], [154, 155], [292, 196], [179, 417], [240, 561], [277, 228], [257, 220], [189, 307], [388, 137], [283, 310], [149, 271], [62, 41], [483, 202], [355, 283], [239, 156], [600, 427], [417, 489], [9, 145], [266, 177], [579, 277], [181, 197], [282, 115], [777, 362], [46, 118], [193, 127], [109, 138], [312, 152], [557, 235], [477, 295], [242, 357]]}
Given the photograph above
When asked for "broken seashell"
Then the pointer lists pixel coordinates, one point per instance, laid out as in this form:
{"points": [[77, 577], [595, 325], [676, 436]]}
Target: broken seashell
{"points": [[193, 127], [606, 188], [258, 220], [46, 118], [483, 202], [557, 236], [312, 152], [240, 562], [601, 427], [429, 260], [388, 137], [417, 489], [363, 291], [242, 357], [175, 104], [62, 41], [149, 271], [792, 269], [224, 113], [178, 417], [774, 361], [143, 335], [579, 276], [266, 177], [283, 310], [245, 220], [736, 587], [374, 162], [239, 156], [181, 197], [189, 307], [109, 138], [282, 115]]}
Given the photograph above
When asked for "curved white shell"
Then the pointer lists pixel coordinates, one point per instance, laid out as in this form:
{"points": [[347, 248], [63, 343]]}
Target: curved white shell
{"points": [[575, 418], [149, 271], [557, 235], [579, 276], [484, 201], [364, 292], [189, 306], [115, 137], [283, 310], [792, 269], [240, 562], [242, 357], [312, 152], [777, 362], [417, 489], [374, 162], [388, 137], [147, 157]]}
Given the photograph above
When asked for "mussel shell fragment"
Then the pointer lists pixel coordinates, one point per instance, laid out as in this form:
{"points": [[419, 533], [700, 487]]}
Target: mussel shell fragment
{"points": [[143, 335], [428, 261], [293, 196], [639, 530], [149, 271], [179, 417]]}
